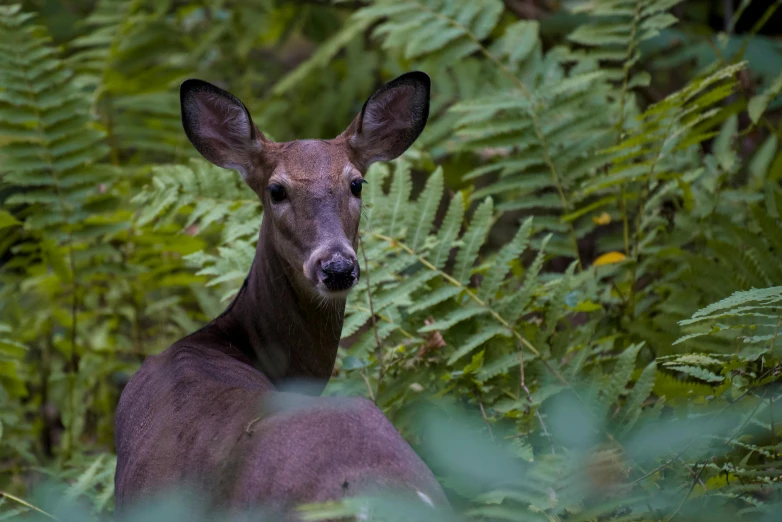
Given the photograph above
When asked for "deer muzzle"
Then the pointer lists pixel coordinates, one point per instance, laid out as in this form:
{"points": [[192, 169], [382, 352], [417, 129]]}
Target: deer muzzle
{"points": [[337, 271]]}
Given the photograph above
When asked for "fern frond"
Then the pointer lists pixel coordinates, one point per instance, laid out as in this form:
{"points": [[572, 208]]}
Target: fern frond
{"points": [[115, 58], [513, 306], [485, 333], [210, 194], [618, 29], [631, 411], [50, 145], [472, 240], [12, 354], [425, 210], [620, 378], [505, 257], [399, 196], [449, 28], [449, 231]]}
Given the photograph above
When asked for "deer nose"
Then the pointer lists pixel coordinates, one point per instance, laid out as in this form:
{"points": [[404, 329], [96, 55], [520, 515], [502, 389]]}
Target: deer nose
{"points": [[338, 272]]}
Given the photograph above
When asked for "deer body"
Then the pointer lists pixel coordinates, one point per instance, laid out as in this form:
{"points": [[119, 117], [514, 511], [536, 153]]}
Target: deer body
{"points": [[207, 412]]}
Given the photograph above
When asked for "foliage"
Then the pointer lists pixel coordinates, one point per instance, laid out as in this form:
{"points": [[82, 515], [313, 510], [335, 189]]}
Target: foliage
{"points": [[572, 294]]}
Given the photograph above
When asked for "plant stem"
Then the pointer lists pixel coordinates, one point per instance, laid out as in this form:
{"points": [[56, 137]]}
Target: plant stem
{"points": [[621, 123], [26, 504], [379, 352], [689, 492], [529, 400]]}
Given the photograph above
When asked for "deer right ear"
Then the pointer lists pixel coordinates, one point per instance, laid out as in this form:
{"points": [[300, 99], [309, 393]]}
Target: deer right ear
{"points": [[391, 119], [219, 126]]}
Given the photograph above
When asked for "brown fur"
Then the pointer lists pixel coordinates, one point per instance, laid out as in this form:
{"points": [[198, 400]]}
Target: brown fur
{"points": [[207, 411]]}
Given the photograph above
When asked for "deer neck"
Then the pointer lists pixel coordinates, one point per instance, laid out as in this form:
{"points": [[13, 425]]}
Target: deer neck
{"points": [[287, 332]]}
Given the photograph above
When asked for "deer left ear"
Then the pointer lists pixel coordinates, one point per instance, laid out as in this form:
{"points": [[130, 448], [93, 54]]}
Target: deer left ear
{"points": [[391, 119], [219, 126]]}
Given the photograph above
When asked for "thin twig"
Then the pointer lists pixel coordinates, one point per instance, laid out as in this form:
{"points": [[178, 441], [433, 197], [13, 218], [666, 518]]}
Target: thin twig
{"points": [[486, 419], [621, 123], [379, 351], [746, 421], [692, 473], [727, 8], [529, 399], [694, 482], [369, 386], [385, 319], [644, 196], [26, 504], [773, 426]]}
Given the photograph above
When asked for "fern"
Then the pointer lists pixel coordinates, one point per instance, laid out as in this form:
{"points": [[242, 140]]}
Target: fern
{"points": [[50, 145], [635, 400], [449, 230], [130, 82], [753, 310], [616, 31], [505, 257], [473, 238], [12, 354], [513, 306], [399, 195], [451, 28], [620, 378], [422, 219], [208, 194]]}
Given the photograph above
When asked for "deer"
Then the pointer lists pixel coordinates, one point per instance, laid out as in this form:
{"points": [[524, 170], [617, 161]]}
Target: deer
{"points": [[212, 411]]}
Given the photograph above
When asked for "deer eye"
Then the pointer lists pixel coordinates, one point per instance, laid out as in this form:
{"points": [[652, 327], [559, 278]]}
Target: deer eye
{"points": [[277, 193], [355, 186]]}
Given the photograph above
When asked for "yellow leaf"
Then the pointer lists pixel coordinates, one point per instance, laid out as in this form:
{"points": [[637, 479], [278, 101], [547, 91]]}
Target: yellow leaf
{"points": [[609, 258], [602, 219]]}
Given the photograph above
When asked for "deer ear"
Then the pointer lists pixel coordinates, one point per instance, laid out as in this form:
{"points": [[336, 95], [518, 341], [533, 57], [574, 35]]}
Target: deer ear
{"points": [[391, 119], [219, 126]]}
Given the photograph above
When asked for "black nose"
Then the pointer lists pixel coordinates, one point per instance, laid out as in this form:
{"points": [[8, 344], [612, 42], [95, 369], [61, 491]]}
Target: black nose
{"points": [[339, 272]]}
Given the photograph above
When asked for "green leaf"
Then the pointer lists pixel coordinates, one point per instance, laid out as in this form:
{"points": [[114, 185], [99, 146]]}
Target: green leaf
{"points": [[757, 104], [472, 241], [448, 232], [484, 334], [638, 395], [697, 372], [434, 298], [502, 263], [8, 220], [399, 197], [620, 377], [454, 317], [425, 210], [513, 307], [12, 349]]}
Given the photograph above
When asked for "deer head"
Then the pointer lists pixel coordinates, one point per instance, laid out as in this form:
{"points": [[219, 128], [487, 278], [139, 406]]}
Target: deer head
{"points": [[310, 189]]}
